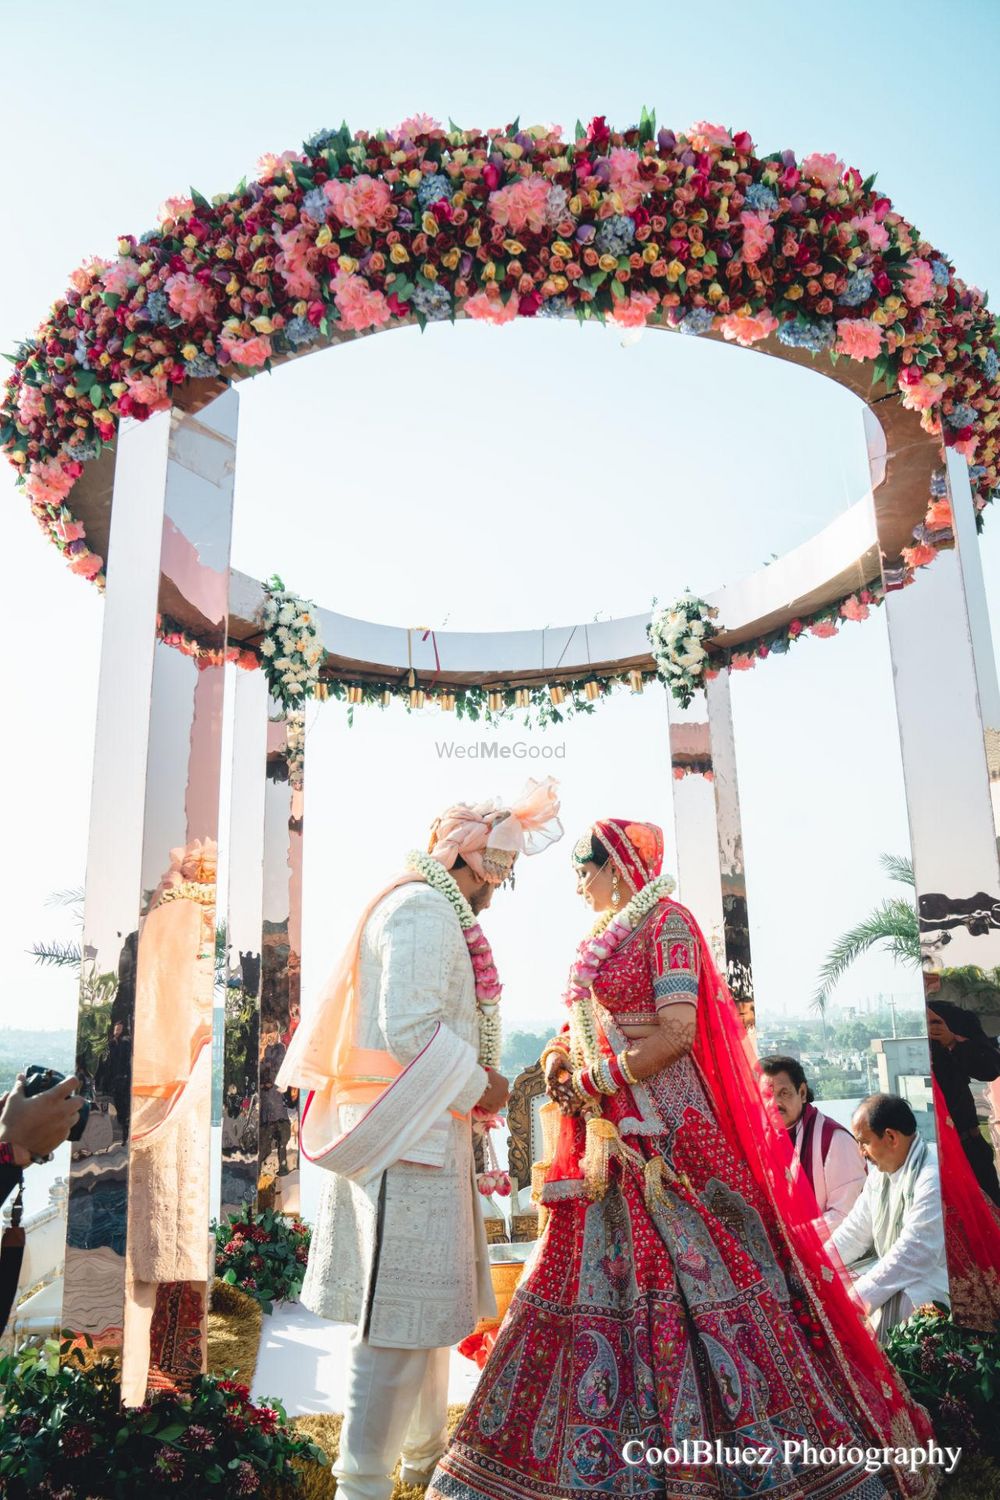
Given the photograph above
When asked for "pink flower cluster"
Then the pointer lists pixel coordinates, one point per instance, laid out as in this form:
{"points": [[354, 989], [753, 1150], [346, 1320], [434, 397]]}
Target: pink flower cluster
{"points": [[748, 330], [494, 1182], [487, 309], [521, 205], [359, 305], [363, 203], [488, 986]]}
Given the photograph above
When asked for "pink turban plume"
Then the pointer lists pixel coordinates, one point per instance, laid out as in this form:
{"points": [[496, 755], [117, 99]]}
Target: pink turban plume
{"points": [[498, 833]]}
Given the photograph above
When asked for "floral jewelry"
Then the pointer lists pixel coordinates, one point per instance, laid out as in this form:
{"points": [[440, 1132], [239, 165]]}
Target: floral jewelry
{"points": [[488, 986]]}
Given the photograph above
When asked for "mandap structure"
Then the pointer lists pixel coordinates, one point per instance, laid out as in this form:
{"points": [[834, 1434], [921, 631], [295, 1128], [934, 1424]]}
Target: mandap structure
{"points": [[121, 417]]}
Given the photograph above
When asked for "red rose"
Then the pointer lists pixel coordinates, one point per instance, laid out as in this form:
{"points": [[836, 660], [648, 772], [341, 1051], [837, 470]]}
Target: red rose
{"points": [[491, 176], [443, 211], [882, 283], [743, 142], [529, 304], [400, 309], [598, 133]]}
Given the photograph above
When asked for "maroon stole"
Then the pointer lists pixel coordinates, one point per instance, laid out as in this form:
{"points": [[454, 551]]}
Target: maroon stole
{"points": [[810, 1114]]}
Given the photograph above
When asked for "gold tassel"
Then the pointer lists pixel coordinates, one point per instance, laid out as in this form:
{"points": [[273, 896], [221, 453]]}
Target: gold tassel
{"points": [[592, 690], [522, 698], [321, 691], [557, 694], [635, 680], [386, 697], [448, 700], [603, 1144], [417, 697], [355, 695]]}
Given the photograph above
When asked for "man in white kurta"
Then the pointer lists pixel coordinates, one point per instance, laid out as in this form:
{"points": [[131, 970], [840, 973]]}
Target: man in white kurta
{"points": [[897, 1218], [391, 1056], [418, 1281]]}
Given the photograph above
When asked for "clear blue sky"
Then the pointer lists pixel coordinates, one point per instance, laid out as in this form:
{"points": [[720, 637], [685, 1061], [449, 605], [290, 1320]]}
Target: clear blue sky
{"points": [[409, 471]]}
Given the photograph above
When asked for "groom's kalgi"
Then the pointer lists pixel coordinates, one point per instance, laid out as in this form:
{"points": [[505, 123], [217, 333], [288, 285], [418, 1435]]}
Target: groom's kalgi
{"points": [[403, 1252]]}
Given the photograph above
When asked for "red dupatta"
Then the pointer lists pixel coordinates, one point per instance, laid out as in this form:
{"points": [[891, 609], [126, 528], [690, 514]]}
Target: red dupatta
{"points": [[971, 1230]]}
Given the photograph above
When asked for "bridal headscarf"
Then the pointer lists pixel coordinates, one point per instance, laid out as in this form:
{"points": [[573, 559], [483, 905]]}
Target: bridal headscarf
{"points": [[636, 849]]}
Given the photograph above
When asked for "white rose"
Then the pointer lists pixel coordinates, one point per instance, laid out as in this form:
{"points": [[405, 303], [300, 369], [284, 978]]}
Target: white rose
{"points": [[287, 614], [267, 646]]}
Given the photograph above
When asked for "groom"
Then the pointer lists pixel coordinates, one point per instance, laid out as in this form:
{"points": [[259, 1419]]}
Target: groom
{"points": [[399, 1053]]}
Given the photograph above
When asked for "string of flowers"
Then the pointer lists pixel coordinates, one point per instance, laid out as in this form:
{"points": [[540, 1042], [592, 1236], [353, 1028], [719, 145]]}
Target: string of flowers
{"points": [[291, 651], [488, 986], [694, 231], [679, 636], [607, 935]]}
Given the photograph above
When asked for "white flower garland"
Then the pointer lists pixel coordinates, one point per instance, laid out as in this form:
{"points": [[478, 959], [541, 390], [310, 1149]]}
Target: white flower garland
{"points": [[488, 987], [292, 648], [678, 636], [608, 935]]}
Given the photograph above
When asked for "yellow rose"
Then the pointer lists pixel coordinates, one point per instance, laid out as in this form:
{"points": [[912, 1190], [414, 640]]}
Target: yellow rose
{"points": [[232, 287], [560, 283], [513, 247], [608, 263], [650, 252], [324, 237], [461, 156], [794, 293], [715, 292], [118, 388], [414, 179], [881, 316], [189, 242], [71, 391], [105, 358], [398, 254], [281, 193], [459, 199], [262, 324], [473, 238], [451, 260], [347, 263], [675, 270], [124, 248], [190, 351], [431, 272], [697, 251], [300, 308], [575, 205], [561, 248], [489, 271], [429, 224], [893, 303], [259, 266]]}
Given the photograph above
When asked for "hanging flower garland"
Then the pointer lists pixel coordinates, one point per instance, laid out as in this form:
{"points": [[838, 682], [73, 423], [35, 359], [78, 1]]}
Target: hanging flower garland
{"points": [[693, 231], [291, 651], [679, 637], [488, 986]]}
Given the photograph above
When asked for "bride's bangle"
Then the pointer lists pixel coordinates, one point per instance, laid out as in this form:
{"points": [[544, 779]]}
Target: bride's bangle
{"points": [[627, 1074], [547, 1051]]}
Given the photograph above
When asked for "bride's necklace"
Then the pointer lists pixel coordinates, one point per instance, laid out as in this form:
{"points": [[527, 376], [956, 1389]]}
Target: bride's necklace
{"points": [[488, 986]]}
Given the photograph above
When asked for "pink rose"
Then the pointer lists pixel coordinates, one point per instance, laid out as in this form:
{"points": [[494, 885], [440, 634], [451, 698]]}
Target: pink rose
{"points": [[741, 663], [919, 556], [859, 338], [188, 297], [826, 170], [967, 447], [702, 135], [249, 352], [853, 609], [174, 208], [521, 205], [86, 564], [823, 628], [878, 235], [919, 285], [747, 330], [634, 313], [50, 483], [359, 305], [30, 403], [417, 125], [758, 234], [150, 390], [625, 178], [69, 531], [492, 309], [362, 203], [120, 277], [270, 165]]}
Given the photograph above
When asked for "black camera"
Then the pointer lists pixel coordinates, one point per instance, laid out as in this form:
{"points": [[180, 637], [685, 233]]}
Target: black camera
{"points": [[38, 1079]]}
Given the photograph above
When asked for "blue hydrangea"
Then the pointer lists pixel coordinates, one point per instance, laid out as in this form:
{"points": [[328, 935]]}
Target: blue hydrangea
{"points": [[316, 205], [857, 290], [991, 364], [801, 334], [201, 367], [961, 415], [615, 236], [300, 331], [85, 451], [433, 302], [698, 320], [761, 199], [555, 307], [80, 350], [939, 484], [156, 306], [321, 140], [149, 236], [976, 472], [940, 273], [433, 188]]}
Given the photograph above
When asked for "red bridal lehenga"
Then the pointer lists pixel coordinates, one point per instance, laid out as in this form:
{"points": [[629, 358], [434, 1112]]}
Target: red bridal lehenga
{"points": [[679, 1289]]}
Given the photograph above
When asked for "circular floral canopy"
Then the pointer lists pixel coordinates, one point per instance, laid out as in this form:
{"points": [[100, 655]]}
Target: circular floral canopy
{"points": [[692, 231]]}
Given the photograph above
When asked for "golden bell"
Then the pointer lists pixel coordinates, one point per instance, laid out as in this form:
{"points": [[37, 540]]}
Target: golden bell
{"points": [[495, 701], [557, 694], [522, 698], [417, 697], [635, 680], [321, 691], [592, 690], [354, 695], [447, 700], [386, 697]]}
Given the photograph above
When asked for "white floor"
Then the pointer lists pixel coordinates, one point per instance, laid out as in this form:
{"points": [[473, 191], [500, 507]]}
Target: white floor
{"points": [[303, 1362]]}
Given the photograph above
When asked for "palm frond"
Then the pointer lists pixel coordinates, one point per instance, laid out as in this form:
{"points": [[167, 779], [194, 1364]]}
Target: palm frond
{"points": [[73, 897], [898, 867], [893, 924], [60, 955]]}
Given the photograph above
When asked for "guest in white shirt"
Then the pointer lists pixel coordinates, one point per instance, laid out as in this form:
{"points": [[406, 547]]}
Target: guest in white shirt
{"points": [[897, 1218], [828, 1154]]}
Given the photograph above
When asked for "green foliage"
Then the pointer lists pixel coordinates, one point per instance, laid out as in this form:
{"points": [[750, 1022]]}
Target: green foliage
{"points": [[955, 1373], [522, 1049], [63, 1431], [263, 1255], [892, 925]]}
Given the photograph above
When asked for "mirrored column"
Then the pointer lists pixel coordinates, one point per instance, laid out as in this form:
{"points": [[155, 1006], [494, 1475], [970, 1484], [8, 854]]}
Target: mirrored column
{"points": [[949, 717], [137, 1226], [710, 868], [281, 955], [241, 1047]]}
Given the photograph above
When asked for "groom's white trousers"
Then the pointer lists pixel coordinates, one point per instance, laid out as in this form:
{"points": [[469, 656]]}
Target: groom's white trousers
{"points": [[396, 1406]]}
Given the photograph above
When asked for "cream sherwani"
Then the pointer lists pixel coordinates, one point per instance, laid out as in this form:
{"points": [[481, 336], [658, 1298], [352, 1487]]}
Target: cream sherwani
{"points": [[404, 1256]]}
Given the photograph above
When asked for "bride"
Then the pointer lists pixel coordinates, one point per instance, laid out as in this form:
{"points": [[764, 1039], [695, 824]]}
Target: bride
{"points": [[679, 1290]]}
